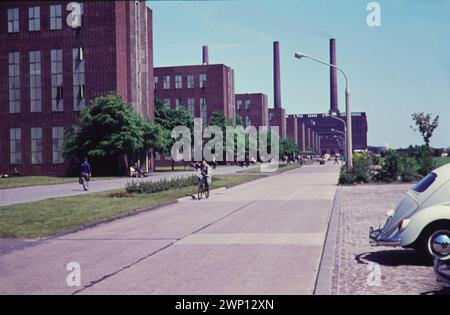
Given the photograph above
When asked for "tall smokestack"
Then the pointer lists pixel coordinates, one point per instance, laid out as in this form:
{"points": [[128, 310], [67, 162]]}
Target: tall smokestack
{"points": [[333, 78], [205, 55], [276, 75]]}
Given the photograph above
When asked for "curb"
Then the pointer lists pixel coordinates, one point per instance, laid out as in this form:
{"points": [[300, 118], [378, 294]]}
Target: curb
{"points": [[327, 261]]}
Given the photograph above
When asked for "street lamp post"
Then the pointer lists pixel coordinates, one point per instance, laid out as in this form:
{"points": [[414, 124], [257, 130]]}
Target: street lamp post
{"points": [[348, 133]]}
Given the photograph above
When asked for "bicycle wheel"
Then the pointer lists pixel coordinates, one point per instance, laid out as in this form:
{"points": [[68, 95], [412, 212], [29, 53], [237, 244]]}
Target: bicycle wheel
{"points": [[207, 192], [200, 191]]}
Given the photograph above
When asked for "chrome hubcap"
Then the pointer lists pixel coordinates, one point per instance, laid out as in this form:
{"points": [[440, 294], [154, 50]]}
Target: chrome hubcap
{"points": [[440, 243]]}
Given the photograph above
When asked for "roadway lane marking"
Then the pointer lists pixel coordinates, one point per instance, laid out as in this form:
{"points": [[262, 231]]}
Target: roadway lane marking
{"points": [[303, 239]]}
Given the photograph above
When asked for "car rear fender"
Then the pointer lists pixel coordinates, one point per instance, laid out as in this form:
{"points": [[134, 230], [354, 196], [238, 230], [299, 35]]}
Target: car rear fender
{"points": [[422, 219]]}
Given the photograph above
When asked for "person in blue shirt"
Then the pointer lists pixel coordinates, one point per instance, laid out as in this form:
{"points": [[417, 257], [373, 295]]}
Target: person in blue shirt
{"points": [[85, 175]]}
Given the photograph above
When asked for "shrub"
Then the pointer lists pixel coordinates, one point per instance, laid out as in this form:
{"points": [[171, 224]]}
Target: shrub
{"points": [[425, 160], [409, 169], [390, 167], [346, 177], [361, 167], [149, 187], [375, 173]]}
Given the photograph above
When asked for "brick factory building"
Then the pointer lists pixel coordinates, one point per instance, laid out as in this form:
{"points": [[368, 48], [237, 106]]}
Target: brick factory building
{"points": [[50, 70], [201, 89], [325, 133], [332, 141], [292, 128], [252, 108]]}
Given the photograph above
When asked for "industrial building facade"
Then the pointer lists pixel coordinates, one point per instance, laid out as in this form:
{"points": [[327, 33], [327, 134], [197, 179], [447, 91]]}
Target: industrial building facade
{"points": [[57, 56], [253, 110], [201, 89]]}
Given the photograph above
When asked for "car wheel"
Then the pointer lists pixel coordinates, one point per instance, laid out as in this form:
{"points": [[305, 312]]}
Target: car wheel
{"points": [[426, 245]]}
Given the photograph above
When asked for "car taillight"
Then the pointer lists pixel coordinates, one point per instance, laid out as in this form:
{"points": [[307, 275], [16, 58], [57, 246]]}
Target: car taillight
{"points": [[403, 224]]}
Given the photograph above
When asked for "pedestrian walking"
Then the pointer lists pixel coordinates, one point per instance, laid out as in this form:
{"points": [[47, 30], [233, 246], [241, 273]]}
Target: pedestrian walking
{"points": [[85, 174]]}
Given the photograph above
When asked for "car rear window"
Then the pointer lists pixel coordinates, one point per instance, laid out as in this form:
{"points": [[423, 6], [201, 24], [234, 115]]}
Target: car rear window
{"points": [[425, 183]]}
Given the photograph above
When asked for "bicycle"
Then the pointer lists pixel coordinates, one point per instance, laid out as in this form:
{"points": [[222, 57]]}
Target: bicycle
{"points": [[203, 189]]}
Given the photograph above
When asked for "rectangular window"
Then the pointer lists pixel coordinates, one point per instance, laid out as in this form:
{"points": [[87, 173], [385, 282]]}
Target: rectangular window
{"points": [[202, 80], [166, 82], [178, 82], [57, 80], [57, 142], [239, 104], [36, 145], [167, 102], [248, 122], [13, 20], [178, 102], [203, 111], [190, 82], [79, 96], [55, 17], [155, 80], [15, 145], [34, 19], [35, 82], [247, 104], [191, 106], [14, 82]]}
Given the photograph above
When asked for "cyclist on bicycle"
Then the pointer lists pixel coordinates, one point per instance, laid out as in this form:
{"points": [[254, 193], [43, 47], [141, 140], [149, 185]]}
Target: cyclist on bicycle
{"points": [[205, 170]]}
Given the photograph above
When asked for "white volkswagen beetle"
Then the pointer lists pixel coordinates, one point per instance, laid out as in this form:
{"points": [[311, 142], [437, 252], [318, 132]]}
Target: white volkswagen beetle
{"points": [[421, 216]]}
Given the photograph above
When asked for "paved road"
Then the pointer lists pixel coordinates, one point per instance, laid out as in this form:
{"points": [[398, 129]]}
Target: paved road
{"points": [[263, 237], [34, 193]]}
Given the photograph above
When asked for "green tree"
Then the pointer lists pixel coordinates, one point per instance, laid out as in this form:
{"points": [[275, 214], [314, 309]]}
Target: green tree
{"points": [[425, 125], [218, 119], [288, 147], [168, 119], [156, 138], [107, 127]]}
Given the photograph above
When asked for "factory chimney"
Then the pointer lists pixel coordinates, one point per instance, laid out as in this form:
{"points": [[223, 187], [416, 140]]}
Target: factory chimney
{"points": [[205, 55], [276, 75], [333, 78]]}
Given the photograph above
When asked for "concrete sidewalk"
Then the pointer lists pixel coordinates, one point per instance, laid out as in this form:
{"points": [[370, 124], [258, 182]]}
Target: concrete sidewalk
{"points": [[263, 237], [12, 196]]}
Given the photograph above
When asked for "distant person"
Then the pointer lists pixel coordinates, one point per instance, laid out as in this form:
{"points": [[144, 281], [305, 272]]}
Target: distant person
{"points": [[85, 174], [15, 172], [214, 163], [205, 170], [336, 158]]}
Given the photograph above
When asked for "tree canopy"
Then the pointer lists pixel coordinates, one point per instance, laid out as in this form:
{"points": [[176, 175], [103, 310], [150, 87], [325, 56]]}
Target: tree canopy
{"points": [[108, 126]]}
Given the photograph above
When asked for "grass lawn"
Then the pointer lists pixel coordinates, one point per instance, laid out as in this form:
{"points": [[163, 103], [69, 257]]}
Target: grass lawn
{"points": [[441, 161], [23, 181], [52, 216]]}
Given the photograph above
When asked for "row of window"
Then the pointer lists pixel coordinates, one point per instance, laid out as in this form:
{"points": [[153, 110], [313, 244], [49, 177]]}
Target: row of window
{"points": [[190, 81], [240, 104], [56, 80], [15, 145], [34, 18], [190, 107], [247, 122]]}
